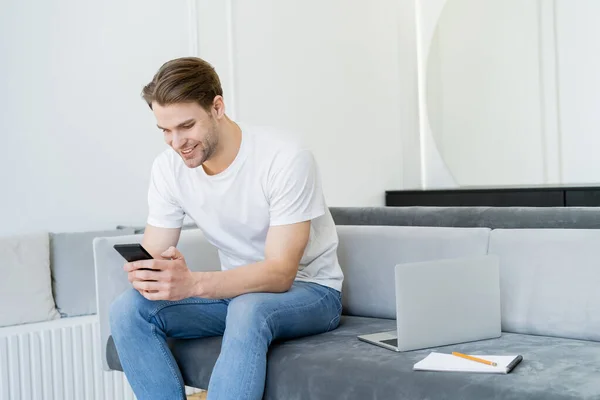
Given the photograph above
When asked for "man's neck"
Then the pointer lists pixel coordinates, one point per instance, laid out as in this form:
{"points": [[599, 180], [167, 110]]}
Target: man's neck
{"points": [[230, 139]]}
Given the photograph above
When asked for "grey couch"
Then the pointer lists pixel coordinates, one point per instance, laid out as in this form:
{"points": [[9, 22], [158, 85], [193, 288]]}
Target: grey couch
{"points": [[550, 279]]}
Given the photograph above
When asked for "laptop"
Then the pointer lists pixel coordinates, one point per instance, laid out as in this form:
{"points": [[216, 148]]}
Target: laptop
{"points": [[444, 302]]}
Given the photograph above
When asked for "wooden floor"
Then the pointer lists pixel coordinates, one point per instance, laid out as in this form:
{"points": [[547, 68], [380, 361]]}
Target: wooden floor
{"points": [[197, 396]]}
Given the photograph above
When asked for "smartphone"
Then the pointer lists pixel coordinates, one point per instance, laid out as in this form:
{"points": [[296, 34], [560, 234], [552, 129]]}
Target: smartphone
{"points": [[133, 252]]}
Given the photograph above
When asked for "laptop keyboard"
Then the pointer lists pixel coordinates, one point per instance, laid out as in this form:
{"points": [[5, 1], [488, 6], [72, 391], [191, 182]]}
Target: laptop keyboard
{"points": [[391, 342]]}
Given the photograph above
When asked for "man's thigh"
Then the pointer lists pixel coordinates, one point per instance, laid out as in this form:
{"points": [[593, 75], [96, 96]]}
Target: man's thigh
{"points": [[306, 309], [192, 318], [189, 318]]}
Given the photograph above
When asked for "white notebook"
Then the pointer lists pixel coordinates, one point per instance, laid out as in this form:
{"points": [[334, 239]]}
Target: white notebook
{"points": [[448, 362]]}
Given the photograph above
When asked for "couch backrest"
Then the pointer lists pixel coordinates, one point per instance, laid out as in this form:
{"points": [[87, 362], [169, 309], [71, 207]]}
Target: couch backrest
{"points": [[72, 259], [471, 217], [199, 254], [549, 281], [368, 255], [72, 266]]}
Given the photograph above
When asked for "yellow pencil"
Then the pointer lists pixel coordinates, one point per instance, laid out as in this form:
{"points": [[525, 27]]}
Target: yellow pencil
{"points": [[477, 359]]}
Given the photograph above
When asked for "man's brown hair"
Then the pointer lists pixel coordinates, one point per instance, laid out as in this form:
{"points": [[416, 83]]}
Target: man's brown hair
{"points": [[187, 79]]}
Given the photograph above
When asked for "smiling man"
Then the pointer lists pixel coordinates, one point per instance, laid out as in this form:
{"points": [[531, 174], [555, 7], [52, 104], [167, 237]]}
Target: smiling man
{"points": [[256, 195]]}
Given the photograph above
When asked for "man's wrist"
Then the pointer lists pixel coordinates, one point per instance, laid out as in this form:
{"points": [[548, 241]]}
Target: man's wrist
{"points": [[199, 287]]}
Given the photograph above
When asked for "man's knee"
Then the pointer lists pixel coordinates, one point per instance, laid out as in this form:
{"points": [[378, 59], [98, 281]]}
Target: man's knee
{"points": [[249, 314], [126, 309]]}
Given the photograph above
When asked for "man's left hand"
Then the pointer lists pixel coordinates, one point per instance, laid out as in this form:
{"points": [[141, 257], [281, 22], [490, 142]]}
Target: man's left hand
{"points": [[171, 280]]}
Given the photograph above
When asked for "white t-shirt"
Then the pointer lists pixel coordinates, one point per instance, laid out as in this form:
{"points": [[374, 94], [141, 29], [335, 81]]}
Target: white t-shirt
{"points": [[272, 181]]}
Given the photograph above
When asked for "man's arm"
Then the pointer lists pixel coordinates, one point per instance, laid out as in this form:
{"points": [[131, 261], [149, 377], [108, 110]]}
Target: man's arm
{"points": [[157, 240], [284, 248]]}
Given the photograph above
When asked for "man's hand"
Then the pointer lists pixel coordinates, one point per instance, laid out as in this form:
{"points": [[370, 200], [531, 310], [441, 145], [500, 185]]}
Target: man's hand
{"points": [[172, 279]]}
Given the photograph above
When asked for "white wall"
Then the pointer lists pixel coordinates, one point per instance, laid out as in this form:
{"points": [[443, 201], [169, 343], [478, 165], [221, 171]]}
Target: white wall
{"points": [[510, 92], [578, 67], [330, 71], [78, 141], [483, 92]]}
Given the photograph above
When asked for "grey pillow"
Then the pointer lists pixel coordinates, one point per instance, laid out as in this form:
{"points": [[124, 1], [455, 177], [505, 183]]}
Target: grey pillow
{"points": [[25, 289], [72, 266]]}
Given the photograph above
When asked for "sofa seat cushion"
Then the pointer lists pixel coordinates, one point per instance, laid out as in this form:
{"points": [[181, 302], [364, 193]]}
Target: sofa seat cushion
{"points": [[336, 365]]}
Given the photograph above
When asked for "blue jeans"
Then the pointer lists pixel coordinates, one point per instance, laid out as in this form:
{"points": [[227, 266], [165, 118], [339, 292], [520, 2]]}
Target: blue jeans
{"points": [[248, 324]]}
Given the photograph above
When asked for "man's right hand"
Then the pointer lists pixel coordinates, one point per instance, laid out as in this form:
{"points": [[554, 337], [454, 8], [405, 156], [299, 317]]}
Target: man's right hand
{"points": [[156, 241], [170, 278]]}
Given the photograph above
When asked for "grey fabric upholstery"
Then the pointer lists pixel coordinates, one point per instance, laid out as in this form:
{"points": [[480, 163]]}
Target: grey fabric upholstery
{"points": [[466, 217], [490, 217], [72, 267], [368, 255], [142, 228], [550, 281], [336, 365]]}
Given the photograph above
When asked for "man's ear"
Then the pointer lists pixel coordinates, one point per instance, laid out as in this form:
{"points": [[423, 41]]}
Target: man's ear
{"points": [[218, 107]]}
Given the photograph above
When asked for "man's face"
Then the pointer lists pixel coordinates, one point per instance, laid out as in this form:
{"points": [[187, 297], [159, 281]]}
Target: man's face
{"points": [[189, 129]]}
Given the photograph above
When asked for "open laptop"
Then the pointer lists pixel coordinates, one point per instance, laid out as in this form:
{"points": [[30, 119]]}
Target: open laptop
{"points": [[444, 302]]}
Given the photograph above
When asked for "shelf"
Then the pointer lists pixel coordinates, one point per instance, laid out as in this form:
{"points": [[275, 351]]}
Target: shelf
{"points": [[501, 196]]}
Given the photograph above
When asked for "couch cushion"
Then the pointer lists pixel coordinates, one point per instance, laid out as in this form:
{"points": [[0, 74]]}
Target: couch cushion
{"points": [[25, 284], [72, 265], [549, 281], [368, 255], [336, 365]]}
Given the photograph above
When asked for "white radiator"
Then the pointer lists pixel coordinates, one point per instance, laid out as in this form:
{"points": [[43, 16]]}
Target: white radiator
{"points": [[58, 360]]}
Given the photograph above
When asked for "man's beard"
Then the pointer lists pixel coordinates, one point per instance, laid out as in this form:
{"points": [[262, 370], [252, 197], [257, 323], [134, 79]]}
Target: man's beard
{"points": [[210, 144]]}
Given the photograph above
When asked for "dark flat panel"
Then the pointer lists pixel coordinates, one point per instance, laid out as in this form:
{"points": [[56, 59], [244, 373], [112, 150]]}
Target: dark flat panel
{"points": [[583, 198], [537, 187], [490, 198]]}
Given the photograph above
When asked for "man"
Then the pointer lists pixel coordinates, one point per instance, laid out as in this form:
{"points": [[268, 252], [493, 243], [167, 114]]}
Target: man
{"points": [[256, 195]]}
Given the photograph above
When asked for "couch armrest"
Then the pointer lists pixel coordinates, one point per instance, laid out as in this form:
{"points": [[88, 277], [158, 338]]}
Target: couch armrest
{"points": [[111, 279]]}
